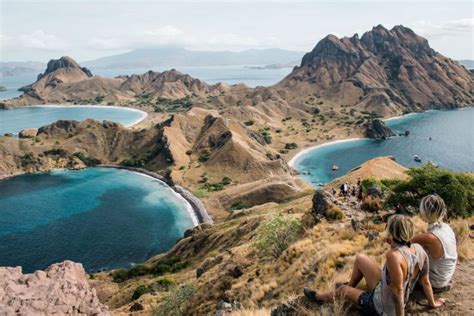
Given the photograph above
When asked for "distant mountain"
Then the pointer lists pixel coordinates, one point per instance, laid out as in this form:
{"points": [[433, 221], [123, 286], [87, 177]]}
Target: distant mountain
{"points": [[170, 56], [383, 71], [15, 68], [469, 64]]}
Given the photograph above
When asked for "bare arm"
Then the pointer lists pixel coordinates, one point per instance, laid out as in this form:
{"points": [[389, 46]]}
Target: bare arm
{"points": [[394, 268], [425, 282]]}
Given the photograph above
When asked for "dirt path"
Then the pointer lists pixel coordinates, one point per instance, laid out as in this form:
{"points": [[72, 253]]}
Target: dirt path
{"points": [[459, 300]]}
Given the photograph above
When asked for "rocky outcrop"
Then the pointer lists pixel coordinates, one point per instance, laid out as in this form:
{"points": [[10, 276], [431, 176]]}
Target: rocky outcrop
{"points": [[28, 133], [376, 129], [322, 200], [63, 62], [386, 71], [60, 289]]}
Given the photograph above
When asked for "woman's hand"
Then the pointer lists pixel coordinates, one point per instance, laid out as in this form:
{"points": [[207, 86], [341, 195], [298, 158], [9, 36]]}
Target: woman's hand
{"points": [[438, 302]]}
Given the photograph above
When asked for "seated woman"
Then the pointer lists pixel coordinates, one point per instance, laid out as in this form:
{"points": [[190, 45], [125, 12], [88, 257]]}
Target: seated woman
{"points": [[439, 242], [389, 288]]}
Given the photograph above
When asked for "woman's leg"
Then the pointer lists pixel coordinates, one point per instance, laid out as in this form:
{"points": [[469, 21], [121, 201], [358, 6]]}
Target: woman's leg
{"points": [[347, 292], [366, 268]]}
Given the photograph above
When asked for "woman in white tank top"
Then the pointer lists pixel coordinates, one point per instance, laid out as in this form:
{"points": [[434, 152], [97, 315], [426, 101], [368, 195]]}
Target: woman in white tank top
{"points": [[439, 242]]}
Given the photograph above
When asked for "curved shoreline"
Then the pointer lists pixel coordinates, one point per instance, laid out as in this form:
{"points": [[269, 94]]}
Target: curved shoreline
{"points": [[293, 160], [196, 210], [142, 113]]}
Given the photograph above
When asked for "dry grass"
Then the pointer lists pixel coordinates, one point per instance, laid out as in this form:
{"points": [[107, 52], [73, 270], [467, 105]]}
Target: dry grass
{"points": [[247, 312], [464, 241]]}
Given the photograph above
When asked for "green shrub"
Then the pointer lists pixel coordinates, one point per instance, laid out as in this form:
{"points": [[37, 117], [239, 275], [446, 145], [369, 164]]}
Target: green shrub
{"points": [[87, 160], [138, 270], [140, 290], [133, 162], [291, 146], [120, 275], [275, 235], [238, 205], [55, 152], [204, 156], [226, 181], [249, 123], [366, 183], [174, 303], [456, 189], [169, 265], [164, 283], [266, 136]]}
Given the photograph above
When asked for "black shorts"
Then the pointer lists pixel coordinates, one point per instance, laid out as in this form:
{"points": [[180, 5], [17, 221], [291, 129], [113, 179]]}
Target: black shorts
{"points": [[366, 303]]}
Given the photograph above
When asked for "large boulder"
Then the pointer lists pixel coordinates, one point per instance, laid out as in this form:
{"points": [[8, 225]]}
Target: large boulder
{"points": [[377, 129], [322, 200], [61, 289], [28, 133]]}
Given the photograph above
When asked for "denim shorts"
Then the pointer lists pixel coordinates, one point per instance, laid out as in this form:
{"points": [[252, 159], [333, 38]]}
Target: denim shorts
{"points": [[366, 303]]}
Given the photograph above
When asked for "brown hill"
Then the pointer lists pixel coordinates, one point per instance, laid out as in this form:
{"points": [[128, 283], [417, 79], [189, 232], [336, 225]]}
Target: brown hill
{"points": [[386, 71], [66, 81]]}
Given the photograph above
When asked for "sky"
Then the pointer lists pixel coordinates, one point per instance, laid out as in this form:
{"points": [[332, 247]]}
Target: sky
{"points": [[84, 29]]}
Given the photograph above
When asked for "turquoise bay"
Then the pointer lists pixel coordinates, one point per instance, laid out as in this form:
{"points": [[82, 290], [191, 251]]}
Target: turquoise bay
{"points": [[14, 120], [451, 146], [103, 218]]}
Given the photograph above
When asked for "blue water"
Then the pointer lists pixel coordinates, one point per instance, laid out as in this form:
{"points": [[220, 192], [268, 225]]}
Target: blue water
{"points": [[452, 146], [14, 120], [12, 84], [103, 218], [213, 74]]}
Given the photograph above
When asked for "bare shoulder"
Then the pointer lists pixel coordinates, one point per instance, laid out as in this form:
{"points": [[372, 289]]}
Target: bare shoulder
{"points": [[393, 255]]}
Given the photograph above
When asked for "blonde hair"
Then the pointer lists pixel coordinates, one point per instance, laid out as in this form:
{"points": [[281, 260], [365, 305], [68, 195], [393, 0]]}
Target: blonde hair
{"points": [[401, 229], [433, 209]]}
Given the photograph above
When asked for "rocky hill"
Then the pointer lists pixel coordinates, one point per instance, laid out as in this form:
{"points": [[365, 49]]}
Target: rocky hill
{"points": [[65, 81], [386, 71], [62, 289]]}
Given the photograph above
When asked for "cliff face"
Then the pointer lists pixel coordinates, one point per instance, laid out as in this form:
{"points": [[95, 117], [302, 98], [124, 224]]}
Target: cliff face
{"points": [[383, 71], [61, 289]]}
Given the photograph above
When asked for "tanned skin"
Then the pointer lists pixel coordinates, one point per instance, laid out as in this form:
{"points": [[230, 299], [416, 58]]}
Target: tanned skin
{"points": [[431, 243], [397, 268]]}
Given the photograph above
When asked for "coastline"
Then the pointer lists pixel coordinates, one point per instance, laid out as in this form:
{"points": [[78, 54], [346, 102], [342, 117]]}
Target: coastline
{"points": [[143, 114], [196, 208], [293, 160]]}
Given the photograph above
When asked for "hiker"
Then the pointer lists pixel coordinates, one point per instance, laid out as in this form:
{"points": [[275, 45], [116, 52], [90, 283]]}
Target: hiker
{"points": [[439, 242], [388, 289], [354, 190]]}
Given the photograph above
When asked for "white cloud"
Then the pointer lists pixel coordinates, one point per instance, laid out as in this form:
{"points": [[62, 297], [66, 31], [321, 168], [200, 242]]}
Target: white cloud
{"points": [[170, 35], [443, 29], [37, 39]]}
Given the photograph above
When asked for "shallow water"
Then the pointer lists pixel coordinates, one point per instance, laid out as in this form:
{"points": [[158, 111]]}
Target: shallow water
{"points": [[452, 146], [14, 120], [103, 218]]}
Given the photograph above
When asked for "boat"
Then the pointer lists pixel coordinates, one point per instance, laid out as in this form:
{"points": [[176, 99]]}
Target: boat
{"points": [[334, 168], [417, 158]]}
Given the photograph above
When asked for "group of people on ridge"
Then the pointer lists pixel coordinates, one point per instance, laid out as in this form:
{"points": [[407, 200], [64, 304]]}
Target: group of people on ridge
{"points": [[428, 259]]}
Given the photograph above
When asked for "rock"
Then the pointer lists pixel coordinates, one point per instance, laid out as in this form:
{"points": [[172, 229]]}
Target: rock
{"points": [[63, 62], [377, 129], [224, 307], [355, 224], [322, 200], [192, 231], [28, 133], [136, 307], [60, 289], [2, 88], [208, 264], [236, 272], [372, 235], [374, 190]]}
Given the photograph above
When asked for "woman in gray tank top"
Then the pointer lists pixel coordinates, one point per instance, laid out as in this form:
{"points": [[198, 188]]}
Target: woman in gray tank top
{"points": [[439, 242], [388, 289]]}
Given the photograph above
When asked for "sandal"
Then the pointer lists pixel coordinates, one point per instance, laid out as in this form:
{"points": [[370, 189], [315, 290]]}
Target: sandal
{"points": [[310, 295]]}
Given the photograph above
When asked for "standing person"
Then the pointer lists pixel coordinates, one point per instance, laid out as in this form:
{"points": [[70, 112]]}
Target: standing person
{"points": [[439, 242], [389, 289]]}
